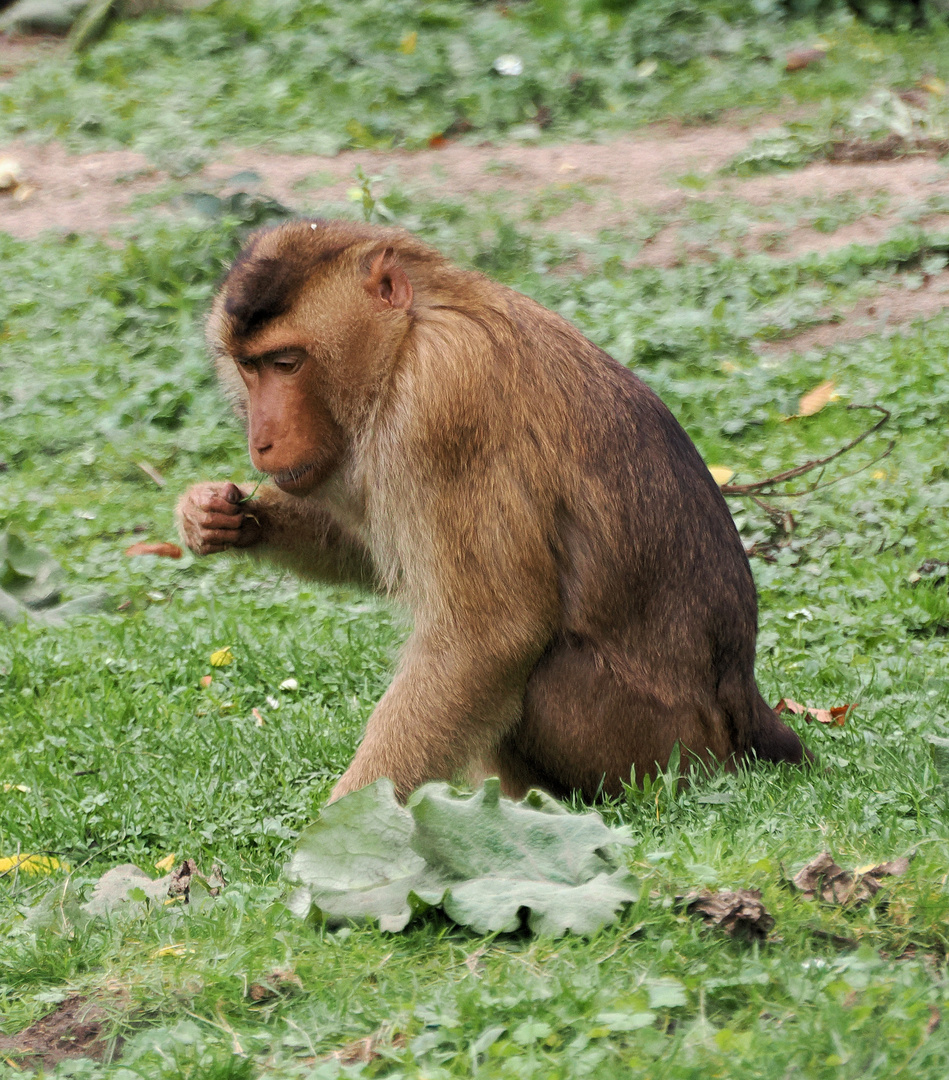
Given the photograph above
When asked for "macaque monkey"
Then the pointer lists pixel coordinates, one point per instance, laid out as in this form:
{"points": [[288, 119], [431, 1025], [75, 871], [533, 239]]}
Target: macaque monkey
{"points": [[581, 597]]}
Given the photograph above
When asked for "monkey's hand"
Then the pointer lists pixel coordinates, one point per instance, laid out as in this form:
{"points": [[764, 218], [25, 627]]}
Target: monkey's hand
{"points": [[212, 518]]}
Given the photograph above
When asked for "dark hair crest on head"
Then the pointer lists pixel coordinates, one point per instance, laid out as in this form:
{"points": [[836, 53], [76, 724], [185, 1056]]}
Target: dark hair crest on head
{"points": [[260, 288]]}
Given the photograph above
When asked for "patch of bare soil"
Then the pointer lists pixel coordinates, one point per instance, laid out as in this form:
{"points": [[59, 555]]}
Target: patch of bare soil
{"points": [[90, 192], [904, 183], [884, 312], [648, 184], [77, 1028], [861, 150], [592, 187], [17, 53]]}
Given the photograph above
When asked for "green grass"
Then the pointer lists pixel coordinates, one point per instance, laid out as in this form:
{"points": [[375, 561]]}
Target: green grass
{"points": [[126, 757], [313, 76]]}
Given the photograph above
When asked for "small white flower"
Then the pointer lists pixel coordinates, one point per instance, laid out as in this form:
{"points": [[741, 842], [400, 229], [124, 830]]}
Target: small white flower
{"points": [[509, 64], [802, 613], [290, 684], [273, 702]]}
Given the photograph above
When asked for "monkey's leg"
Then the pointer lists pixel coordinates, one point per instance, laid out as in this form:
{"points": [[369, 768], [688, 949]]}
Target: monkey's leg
{"points": [[588, 723]]}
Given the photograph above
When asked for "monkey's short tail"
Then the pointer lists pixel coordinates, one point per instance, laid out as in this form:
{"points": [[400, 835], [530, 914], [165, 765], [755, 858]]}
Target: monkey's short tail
{"points": [[773, 740]]}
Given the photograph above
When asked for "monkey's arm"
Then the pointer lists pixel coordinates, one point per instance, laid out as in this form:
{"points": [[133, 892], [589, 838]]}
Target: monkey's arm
{"points": [[291, 532]]}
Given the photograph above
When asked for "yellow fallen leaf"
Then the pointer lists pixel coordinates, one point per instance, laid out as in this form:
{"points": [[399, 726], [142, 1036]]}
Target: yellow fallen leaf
{"points": [[222, 657], [408, 43], [166, 863], [814, 400], [933, 85], [879, 474], [29, 864], [721, 474], [170, 950], [865, 869], [354, 194], [15, 787]]}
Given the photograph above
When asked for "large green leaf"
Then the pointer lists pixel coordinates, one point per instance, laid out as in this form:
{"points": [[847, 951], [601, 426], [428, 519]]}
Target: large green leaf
{"points": [[490, 863], [31, 581], [29, 574], [355, 862]]}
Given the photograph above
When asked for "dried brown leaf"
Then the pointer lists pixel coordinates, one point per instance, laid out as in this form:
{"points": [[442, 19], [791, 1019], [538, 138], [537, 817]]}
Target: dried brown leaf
{"points": [[740, 913], [823, 879], [166, 551], [798, 59], [152, 473], [839, 713], [275, 984], [814, 400], [836, 715], [360, 1052], [894, 868]]}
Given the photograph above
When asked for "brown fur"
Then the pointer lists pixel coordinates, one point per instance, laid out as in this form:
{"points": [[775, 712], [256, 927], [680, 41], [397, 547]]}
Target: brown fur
{"points": [[582, 600]]}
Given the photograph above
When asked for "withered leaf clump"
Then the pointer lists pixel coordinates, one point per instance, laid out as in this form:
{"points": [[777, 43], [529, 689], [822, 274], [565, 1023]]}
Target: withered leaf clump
{"points": [[278, 983], [181, 879], [162, 550], [740, 913], [823, 879], [798, 59], [836, 715]]}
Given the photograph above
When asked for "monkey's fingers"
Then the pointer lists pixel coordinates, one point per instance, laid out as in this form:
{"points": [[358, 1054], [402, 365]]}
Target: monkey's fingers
{"points": [[216, 520], [214, 503], [210, 541]]}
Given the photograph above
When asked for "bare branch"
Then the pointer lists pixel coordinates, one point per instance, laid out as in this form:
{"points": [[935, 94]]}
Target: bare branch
{"points": [[763, 486]]}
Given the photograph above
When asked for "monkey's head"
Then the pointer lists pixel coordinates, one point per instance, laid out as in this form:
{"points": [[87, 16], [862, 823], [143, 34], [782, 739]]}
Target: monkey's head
{"points": [[305, 331]]}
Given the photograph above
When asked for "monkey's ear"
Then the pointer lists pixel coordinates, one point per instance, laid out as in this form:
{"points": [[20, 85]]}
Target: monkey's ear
{"points": [[388, 281]]}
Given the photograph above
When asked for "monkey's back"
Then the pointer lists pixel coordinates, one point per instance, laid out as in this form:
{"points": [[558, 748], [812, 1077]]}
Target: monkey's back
{"points": [[658, 610]]}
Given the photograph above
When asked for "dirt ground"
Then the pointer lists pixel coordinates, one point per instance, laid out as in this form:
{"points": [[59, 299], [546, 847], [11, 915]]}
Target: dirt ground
{"points": [[659, 184], [76, 1028]]}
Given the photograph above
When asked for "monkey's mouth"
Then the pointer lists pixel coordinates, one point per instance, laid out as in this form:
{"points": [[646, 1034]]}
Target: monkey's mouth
{"points": [[298, 479]]}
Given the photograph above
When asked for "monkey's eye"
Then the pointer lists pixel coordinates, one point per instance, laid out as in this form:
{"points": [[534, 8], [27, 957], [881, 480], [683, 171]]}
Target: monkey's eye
{"points": [[245, 365], [286, 365]]}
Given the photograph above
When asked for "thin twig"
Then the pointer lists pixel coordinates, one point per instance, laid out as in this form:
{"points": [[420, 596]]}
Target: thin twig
{"points": [[818, 463]]}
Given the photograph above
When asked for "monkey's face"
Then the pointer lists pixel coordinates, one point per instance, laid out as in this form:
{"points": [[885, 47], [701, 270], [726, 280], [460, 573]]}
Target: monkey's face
{"points": [[291, 433], [305, 331]]}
